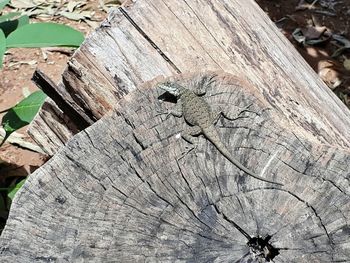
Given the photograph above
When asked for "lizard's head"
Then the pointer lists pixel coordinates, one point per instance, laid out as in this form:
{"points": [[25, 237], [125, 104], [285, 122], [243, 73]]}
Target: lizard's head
{"points": [[171, 87]]}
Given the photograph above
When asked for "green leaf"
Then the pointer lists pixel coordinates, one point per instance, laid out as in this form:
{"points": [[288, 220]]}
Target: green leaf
{"points": [[23, 113], [9, 16], [44, 35], [3, 3], [12, 192], [2, 46], [10, 26]]}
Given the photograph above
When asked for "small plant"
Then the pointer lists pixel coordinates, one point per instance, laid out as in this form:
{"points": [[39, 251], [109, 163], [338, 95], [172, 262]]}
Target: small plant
{"points": [[16, 31], [22, 114], [6, 198]]}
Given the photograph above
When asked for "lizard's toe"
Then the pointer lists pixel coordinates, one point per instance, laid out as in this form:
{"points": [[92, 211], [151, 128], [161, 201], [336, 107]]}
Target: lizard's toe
{"points": [[188, 150]]}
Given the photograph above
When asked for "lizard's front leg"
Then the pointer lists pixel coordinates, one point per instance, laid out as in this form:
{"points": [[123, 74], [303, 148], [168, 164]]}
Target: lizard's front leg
{"points": [[175, 111], [203, 83]]}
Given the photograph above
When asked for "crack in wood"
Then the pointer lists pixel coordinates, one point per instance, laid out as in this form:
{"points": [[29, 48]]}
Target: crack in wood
{"points": [[149, 40]]}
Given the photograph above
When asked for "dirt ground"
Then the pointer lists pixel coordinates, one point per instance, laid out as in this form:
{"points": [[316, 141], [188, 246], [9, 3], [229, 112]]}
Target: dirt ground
{"points": [[19, 64], [15, 80], [18, 68], [333, 17]]}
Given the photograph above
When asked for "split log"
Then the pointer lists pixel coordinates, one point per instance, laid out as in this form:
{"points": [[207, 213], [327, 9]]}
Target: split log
{"points": [[118, 192], [152, 38]]}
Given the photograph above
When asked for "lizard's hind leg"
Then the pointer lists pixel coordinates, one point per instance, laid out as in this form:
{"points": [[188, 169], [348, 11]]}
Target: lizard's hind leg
{"points": [[239, 115], [231, 117], [188, 136]]}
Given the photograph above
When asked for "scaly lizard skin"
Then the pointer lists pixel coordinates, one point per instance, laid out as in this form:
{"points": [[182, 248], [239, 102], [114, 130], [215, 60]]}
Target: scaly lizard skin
{"points": [[197, 113]]}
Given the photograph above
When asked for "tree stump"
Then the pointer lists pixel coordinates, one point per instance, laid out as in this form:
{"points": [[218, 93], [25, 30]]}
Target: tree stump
{"points": [[122, 190]]}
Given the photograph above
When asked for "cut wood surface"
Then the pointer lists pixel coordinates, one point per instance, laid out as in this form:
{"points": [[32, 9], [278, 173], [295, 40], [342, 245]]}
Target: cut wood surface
{"points": [[151, 38], [119, 191]]}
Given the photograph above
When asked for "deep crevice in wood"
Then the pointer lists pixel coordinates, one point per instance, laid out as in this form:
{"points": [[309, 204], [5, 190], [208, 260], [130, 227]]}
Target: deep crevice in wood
{"points": [[261, 247], [149, 40], [80, 107], [51, 90]]}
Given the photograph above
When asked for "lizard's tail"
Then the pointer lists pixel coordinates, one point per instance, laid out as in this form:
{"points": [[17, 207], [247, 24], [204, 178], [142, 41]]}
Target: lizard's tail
{"points": [[224, 151]]}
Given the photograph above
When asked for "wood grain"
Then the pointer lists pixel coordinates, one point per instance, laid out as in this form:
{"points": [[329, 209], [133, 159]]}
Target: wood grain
{"points": [[118, 192], [152, 38]]}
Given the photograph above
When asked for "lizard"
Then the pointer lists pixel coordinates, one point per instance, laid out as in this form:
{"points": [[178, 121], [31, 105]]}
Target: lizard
{"points": [[198, 114]]}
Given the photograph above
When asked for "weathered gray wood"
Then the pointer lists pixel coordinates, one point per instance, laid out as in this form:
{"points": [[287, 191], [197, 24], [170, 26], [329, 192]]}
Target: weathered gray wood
{"points": [[118, 193], [55, 93], [52, 124], [152, 38], [57, 121]]}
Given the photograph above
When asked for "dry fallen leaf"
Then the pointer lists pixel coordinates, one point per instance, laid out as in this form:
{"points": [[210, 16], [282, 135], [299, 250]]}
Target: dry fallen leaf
{"points": [[18, 139], [22, 4], [346, 64], [311, 35], [330, 72], [26, 62], [313, 32], [72, 5], [26, 92], [344, 44], [72, 16]]}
